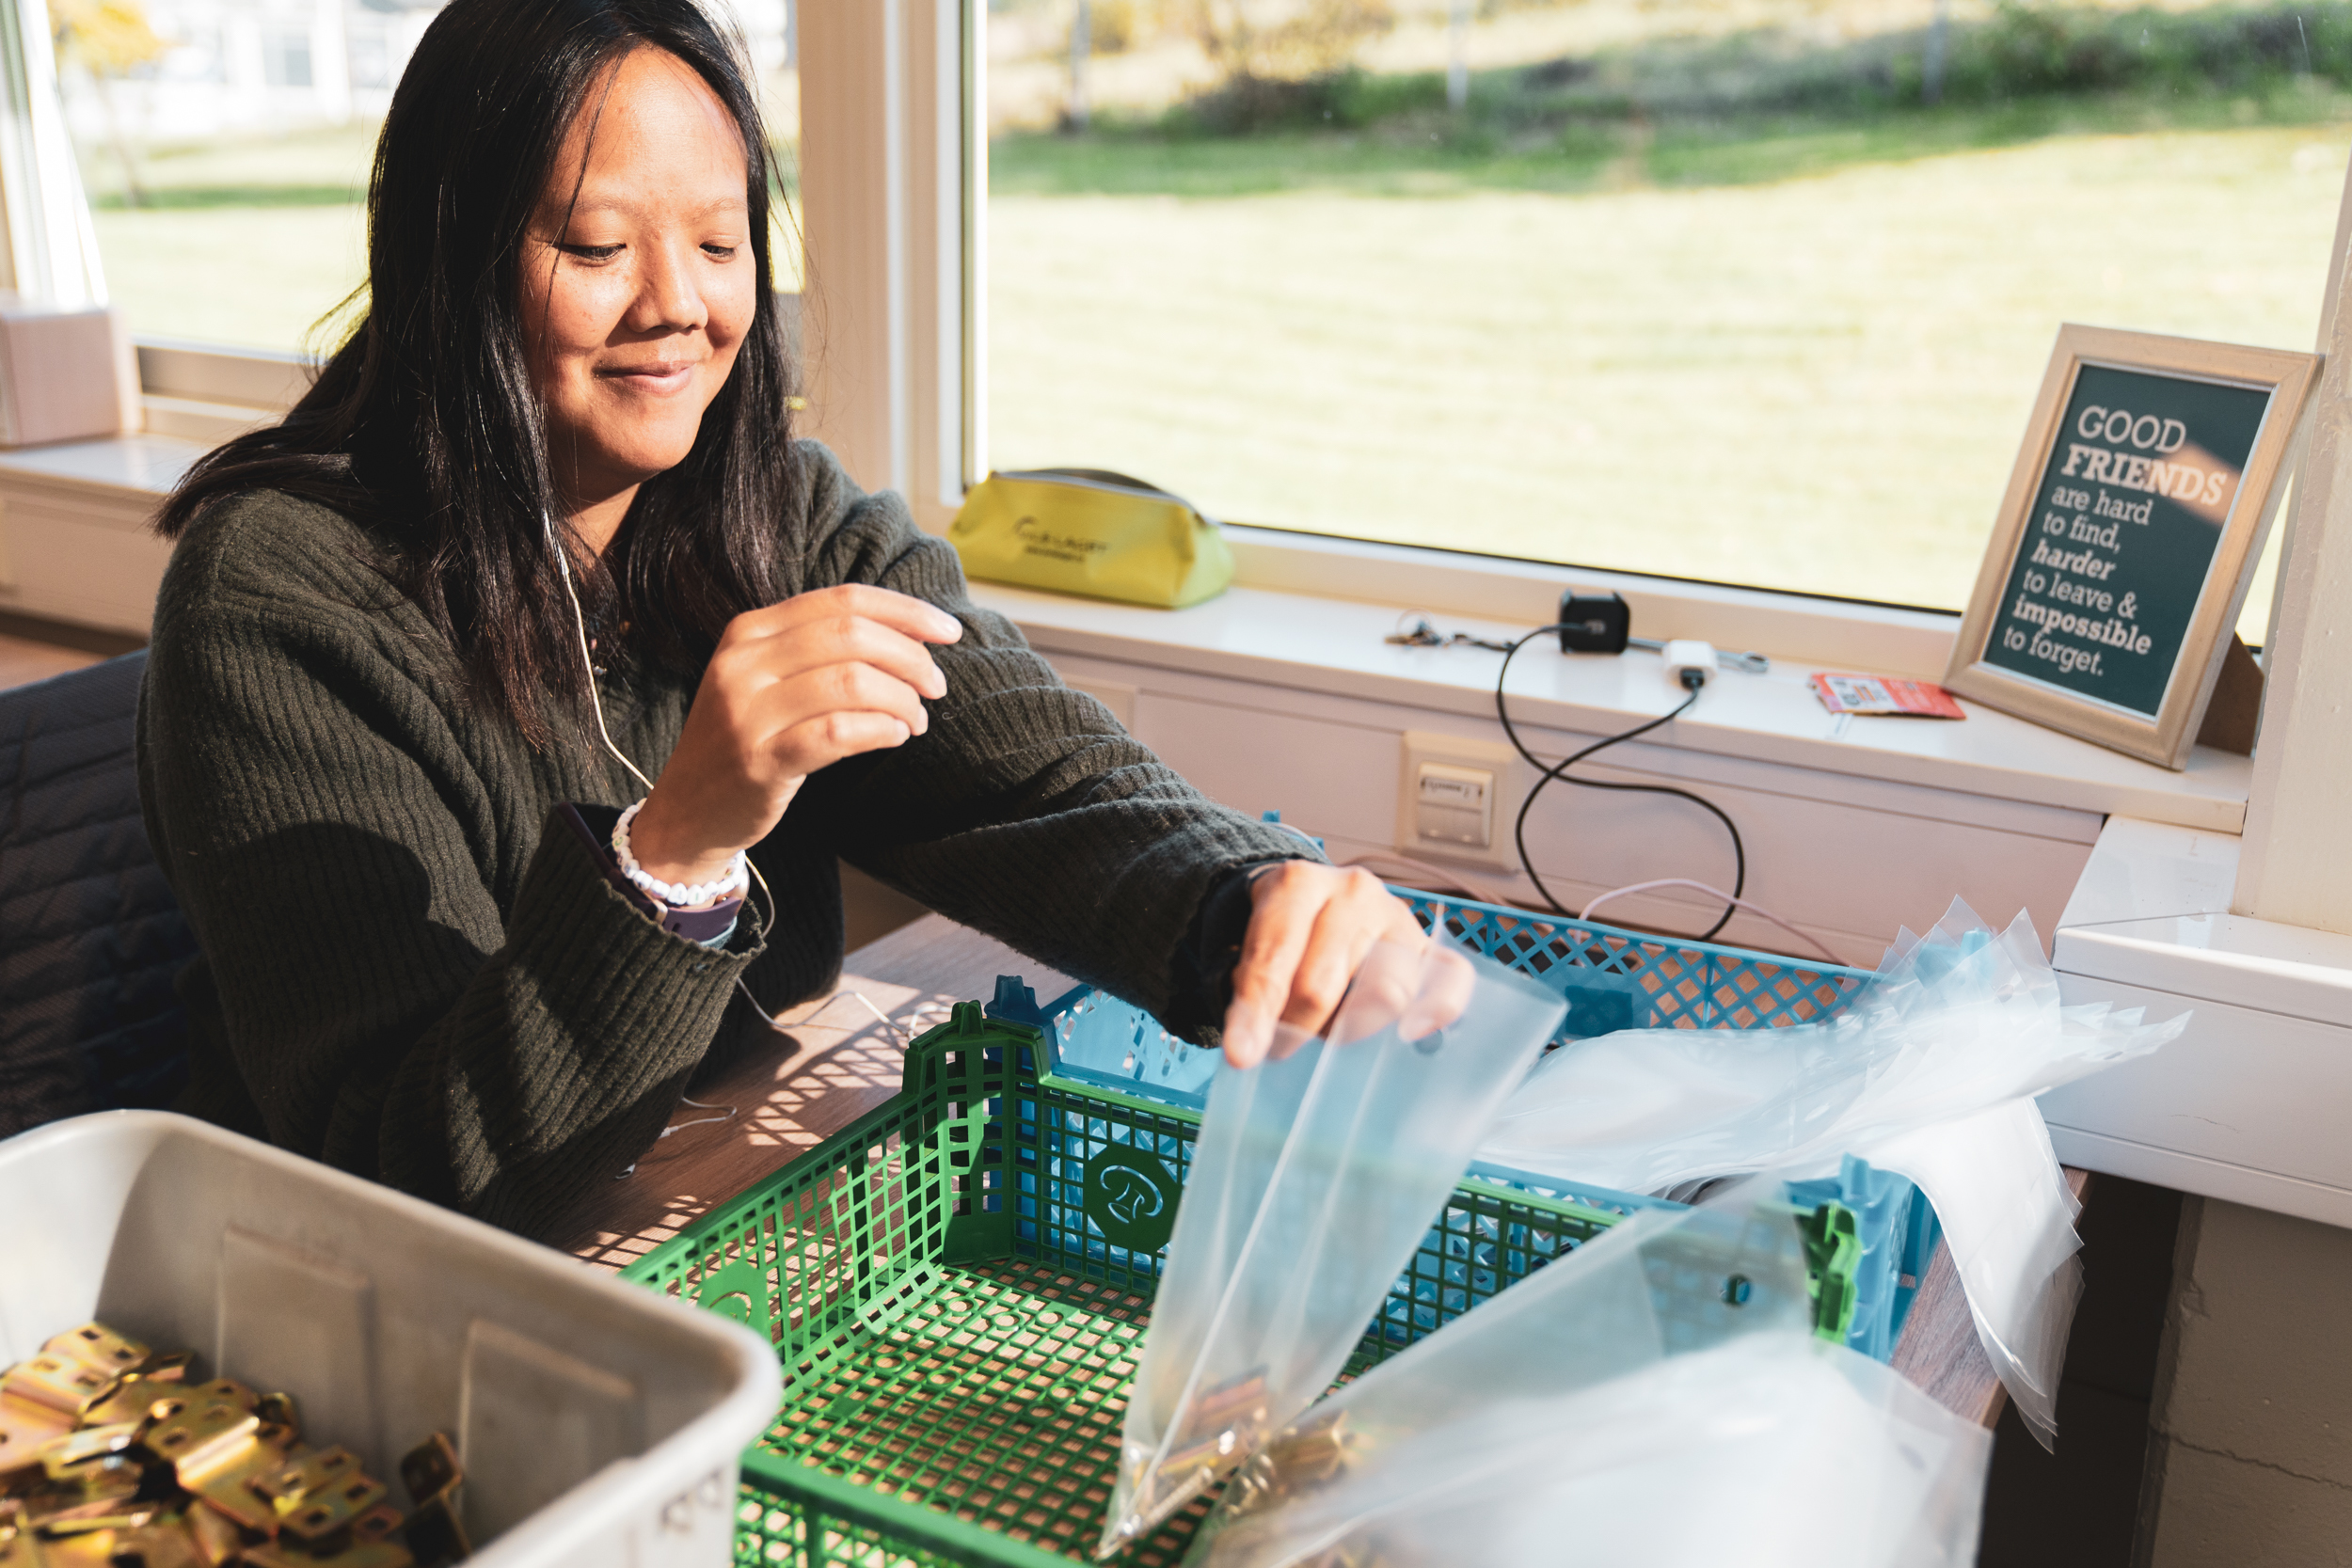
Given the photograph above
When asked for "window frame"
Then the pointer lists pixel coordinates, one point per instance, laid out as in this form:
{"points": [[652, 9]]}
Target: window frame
{"points": [[896, 332], [890, 215]]}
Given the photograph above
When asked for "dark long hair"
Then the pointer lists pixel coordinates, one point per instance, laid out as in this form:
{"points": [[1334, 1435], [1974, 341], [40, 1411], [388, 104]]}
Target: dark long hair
{"points": [[425, 425]]}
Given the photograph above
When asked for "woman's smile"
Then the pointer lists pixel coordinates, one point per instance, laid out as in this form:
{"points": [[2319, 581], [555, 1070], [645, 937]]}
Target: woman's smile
{"points": [[651, 378]]}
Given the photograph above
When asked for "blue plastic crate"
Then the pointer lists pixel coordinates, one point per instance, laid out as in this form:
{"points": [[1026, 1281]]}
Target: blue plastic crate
{"points": [[1612, 979]]}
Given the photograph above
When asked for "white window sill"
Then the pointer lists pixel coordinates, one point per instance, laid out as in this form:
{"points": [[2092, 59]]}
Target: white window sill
{"points": [[2152, 910], [1840, 634], [1316, 642], [1334, 646], [2246, 1105], [132, 464]]}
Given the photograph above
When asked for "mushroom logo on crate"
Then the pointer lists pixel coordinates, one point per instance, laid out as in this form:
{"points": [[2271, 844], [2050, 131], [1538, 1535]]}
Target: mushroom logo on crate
{"points": [[739, 1291], [1131, 1197]]}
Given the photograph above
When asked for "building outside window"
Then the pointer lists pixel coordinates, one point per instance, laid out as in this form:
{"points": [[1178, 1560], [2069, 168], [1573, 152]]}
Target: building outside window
{"points": [[286, 59], [226, 155], [1751, 290]]}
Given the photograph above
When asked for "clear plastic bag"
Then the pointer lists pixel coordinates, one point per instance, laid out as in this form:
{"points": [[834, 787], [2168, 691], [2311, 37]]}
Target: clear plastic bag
{"points": [[2009, 1219], [1316, 1175], [1929, 1073], [1767, 1451], [1656, 1397]]}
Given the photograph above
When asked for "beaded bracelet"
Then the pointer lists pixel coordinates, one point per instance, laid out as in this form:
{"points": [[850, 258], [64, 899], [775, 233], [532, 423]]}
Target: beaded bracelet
{"points": [[678, 896]]}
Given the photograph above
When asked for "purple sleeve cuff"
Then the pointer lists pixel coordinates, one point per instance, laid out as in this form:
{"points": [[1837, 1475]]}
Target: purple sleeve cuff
{"points": [[709, 927]]}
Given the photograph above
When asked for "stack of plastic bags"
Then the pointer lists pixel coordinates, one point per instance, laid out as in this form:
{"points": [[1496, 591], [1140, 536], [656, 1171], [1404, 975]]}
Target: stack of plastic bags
{"points": [[1314, 1180], [1660, 1395], [1929, 1072], [1656, 1397]]}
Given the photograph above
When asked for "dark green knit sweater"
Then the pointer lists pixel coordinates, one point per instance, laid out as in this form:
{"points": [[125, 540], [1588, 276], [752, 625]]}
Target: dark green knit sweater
{"points": [[406, 974]]}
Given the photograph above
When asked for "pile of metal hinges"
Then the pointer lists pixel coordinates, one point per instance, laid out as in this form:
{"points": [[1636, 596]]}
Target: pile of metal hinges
{"points": [[1301, 1460], [110, 1457], [1220, 1422]]}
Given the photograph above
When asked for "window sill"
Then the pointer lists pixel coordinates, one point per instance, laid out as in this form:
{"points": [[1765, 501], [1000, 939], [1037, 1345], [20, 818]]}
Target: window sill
{"points": [[1837, 634], [1329, 641], [2152, 910], [2245, 1105], [1333, 647], [75, 546], [141, 466]]}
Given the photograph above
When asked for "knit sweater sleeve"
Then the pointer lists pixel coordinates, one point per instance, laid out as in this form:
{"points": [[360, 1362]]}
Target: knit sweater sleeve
{"points": [[1024, 810], [388, 1011]]}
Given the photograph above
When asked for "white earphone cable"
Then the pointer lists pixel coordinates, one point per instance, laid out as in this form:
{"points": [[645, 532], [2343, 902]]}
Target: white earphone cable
{"points": [[588, 658], [595, 705]]}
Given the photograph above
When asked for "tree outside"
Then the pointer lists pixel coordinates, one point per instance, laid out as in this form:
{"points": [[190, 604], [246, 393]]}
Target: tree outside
{"points": [[103, 41]]}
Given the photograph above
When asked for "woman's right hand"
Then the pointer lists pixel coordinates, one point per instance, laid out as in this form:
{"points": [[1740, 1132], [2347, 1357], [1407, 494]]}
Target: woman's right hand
{"points": [[792, 687]]}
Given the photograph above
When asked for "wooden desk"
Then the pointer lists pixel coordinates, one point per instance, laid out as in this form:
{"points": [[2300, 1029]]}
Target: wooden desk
{"points": [[836, 1062], [841, 1061], [1939, 1350]]}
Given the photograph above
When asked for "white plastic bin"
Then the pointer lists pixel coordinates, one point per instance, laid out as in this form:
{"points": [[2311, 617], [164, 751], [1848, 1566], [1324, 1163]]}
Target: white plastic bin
{"points": [[598, 1422]]}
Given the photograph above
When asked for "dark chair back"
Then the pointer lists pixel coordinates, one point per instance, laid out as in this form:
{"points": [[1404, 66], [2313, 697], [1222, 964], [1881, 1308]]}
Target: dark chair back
{"points": [[91, 936]]}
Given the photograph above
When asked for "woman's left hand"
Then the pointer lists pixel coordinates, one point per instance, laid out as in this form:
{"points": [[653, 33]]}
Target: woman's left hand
{"points": [[1311, 927]]}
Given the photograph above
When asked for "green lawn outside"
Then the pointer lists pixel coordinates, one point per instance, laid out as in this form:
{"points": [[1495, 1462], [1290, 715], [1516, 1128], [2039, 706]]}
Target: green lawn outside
{"points": [[1817, 382], [247, 242], [1423, 150], [255, 277]]}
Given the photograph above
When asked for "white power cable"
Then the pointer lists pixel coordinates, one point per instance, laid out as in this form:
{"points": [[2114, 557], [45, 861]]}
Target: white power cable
{"points": [[1751, 907], [727, 1114], [1453, 882], [906, 1036]]}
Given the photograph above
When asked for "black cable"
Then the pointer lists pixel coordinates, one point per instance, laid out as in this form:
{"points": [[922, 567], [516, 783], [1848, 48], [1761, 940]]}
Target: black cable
{"points": [[1518, 829]]}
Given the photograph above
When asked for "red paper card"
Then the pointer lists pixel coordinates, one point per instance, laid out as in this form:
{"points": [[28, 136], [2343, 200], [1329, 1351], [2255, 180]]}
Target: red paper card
{"points": [[1878, 694]]}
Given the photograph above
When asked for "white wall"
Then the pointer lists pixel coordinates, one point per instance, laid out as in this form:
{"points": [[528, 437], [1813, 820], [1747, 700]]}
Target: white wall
{"points": [[1846, 858]]}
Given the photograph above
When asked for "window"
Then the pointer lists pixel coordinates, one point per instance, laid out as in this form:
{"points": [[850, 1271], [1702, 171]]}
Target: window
{"points": [[1750, 292], [225, 147], [286, 59]]}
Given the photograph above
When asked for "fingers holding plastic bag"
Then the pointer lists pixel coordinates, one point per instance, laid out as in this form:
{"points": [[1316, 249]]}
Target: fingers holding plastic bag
{"points": [[1416, 989], [1309, 953], [1316, 1177], [1442, 994]]}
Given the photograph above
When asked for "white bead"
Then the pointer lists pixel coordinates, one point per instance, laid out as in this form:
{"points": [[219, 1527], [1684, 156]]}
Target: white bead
{"points": [[677, 895]]}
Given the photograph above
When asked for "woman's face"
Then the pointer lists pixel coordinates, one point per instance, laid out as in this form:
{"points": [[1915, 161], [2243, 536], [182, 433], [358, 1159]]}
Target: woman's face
{"points": [[637, 294]]}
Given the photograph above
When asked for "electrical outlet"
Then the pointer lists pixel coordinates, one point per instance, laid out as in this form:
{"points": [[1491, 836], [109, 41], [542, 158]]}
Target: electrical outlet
{"points": [[1457, 799]]}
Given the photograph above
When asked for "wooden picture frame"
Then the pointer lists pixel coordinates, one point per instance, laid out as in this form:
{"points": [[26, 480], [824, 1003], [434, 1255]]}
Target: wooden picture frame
{"points": [[2150, 474]]}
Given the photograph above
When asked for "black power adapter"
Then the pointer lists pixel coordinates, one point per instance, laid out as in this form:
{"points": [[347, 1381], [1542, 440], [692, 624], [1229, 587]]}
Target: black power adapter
{"points": [[1594, 623]]}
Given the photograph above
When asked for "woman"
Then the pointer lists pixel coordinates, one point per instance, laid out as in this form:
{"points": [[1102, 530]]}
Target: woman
{"points": [[540, 525]]}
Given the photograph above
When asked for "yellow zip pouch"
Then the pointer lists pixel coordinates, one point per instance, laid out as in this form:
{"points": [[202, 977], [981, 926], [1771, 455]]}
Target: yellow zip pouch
{"points": [[1086, 530]]}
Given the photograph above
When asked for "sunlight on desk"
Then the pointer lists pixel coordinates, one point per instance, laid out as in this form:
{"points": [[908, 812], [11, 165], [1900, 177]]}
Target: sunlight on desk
{"points": [[835, 1062]]}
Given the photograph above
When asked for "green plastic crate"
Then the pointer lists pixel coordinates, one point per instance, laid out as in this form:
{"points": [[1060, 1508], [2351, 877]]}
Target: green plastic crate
{"points": [[957, 1287]]}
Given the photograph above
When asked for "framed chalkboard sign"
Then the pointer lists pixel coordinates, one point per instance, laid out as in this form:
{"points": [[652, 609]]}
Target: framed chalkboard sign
{"points": [[2133, 520]]}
